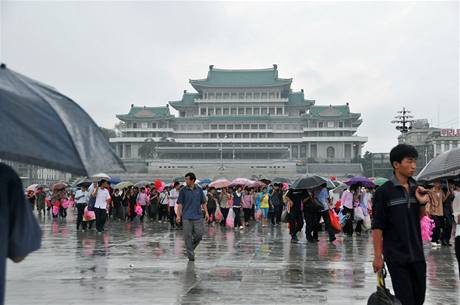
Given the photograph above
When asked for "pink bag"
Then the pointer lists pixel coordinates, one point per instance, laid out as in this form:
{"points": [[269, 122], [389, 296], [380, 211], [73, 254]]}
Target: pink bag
{"points": [[88, 215], [219, 215], [55, 210], [427, 225], [230, 222], [65, 204], [138, 210]]}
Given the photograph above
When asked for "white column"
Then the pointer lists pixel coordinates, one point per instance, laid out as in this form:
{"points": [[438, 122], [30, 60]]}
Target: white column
{"points": [[434, 149], [207, 110], [283, 110], [443, 147]]}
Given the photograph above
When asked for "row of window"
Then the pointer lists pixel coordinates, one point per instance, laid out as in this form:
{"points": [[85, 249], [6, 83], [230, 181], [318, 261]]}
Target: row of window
{"points": [[241, 95], [210, 111]]}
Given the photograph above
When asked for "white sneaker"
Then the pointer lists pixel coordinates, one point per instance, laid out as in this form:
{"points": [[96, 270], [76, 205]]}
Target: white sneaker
{"points": [[435, 245], [241, 227]]}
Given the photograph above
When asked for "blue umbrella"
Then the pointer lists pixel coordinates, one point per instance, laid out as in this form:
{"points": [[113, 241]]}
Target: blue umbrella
{"points": [[205, 181], [39, 125], [114, 180]]}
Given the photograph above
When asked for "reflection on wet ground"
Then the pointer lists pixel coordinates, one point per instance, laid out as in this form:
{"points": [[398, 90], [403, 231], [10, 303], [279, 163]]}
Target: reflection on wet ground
{"points": [[133, 263]]}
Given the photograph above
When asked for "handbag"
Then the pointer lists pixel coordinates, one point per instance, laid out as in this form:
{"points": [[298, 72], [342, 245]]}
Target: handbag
{"points": [[359, 215], [335, 221]]}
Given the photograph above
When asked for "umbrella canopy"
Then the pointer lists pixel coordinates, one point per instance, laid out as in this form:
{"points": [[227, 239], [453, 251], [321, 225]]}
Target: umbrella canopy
{"points": [[281, 180], [123, 184], [220, 183], [31, 188], [360, 180], [307, 182], [257, 184], [59, 186], [38, 125], [330, 184], [205, 181], [265, 180], [86, 182], [179, 179], [142, 183], [379, 181], [114, 180], [100, 176], [446, 165], [241, 181]]}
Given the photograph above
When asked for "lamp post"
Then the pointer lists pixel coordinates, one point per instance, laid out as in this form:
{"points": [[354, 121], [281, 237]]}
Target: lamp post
{"points": [[221, 168]]}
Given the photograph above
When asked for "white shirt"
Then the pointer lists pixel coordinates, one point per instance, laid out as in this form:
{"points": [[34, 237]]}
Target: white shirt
{"points": [[101, 199], [173, 195], [81, 196]]}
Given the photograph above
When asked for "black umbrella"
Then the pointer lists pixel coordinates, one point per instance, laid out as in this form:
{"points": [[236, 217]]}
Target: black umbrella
{"points": [[85, 182], [446, 165], [307, 182], [38, 125]]}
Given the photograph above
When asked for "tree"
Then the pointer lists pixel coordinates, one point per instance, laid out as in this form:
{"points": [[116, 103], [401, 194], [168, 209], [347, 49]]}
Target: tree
{"points": [[148, 149], [108, 133]]}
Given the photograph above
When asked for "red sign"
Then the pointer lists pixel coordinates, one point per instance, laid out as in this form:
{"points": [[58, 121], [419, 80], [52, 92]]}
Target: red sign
{"points": [[450, 132]]}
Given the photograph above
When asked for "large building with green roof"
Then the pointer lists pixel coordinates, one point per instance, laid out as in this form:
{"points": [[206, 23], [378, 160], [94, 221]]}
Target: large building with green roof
{"points": [[241, 116]]}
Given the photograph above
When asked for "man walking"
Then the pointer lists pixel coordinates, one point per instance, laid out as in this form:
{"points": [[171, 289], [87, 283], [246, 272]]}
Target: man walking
{"points": [[190, 203], [173, 195], [100, 207], [398, 206]]}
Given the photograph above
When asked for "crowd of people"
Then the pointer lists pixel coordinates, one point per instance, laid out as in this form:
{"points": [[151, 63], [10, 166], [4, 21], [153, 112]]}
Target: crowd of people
{"points": [[347, 210]]}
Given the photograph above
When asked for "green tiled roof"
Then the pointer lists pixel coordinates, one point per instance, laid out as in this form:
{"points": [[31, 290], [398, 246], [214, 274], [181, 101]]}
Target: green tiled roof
{"points": [[298, 99], [223, 78], [145, 113], [333, 111], [187, 100]]}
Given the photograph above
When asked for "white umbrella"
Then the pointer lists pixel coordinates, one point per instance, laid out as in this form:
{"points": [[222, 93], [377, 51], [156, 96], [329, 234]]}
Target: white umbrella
{"points": [[100, 176]]}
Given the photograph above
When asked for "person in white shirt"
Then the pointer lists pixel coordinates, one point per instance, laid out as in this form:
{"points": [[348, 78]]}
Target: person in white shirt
{"points": [[100, 207], [81, 198], [173, 195]]}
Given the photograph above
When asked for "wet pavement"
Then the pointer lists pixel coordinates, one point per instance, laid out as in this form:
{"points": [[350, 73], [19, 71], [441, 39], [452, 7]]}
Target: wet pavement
{"points": [[134, 263]]}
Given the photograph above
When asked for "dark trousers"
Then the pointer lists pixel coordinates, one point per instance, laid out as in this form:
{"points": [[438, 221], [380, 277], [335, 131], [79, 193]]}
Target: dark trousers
{"points": [[87, 224], [327, 224], [409, 282], [276, 215], [172, 217], [144, 207], [163, 212], [312, 219], [438, 222], [295, 222], [348, 227], [101, 215], [237, 221], [80, 212], [132, 212], [224, 215], [63, 212], [447, 229], [247, 214]]}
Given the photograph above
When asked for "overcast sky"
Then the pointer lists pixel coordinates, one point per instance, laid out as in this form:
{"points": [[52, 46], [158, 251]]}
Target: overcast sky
{"points": [[379, 56]]}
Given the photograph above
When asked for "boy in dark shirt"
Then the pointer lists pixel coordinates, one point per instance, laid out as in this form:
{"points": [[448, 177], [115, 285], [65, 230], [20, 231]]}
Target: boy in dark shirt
{"points": [[397, 208]]}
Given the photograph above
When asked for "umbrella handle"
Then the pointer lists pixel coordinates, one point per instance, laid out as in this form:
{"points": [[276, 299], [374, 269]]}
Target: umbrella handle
{"points": [[381, 275]]}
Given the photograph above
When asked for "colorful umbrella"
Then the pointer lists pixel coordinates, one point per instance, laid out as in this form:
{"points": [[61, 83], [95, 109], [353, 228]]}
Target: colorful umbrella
{"points": [[123, 184], [241, 181], [360, 180], [220, 183], [59, 186]]}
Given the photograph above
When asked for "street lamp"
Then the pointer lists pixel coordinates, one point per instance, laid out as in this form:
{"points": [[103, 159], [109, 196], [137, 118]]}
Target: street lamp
{"points": [[221, 168]]}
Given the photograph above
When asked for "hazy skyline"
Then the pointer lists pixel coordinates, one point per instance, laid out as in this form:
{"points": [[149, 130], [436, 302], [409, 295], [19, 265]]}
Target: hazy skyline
{"points": [[378, 56]]}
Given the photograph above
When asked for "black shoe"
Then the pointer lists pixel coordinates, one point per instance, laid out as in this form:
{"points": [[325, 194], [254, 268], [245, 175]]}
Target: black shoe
{"points": [[191, 259], [332, 239]]}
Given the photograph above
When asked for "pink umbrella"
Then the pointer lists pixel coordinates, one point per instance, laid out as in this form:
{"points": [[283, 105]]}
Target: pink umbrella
{"points": [[241, 181], [220, 183], [257, 184]]}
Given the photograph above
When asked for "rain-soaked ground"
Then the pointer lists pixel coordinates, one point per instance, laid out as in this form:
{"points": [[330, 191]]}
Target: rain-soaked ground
{"points": [[133, 264]]}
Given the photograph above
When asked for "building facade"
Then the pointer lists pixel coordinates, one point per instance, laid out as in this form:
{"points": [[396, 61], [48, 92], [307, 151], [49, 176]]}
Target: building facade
{"points": [[238, 115], [430, 141]]}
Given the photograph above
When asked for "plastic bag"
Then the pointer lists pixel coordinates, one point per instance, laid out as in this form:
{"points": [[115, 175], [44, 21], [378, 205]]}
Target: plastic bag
{"points": [[88, 215], [218, 215], [367, 222], [335, 220], [55, 210], [230, 219], [359, 215], [426, 225], [65, 204], [284, 216], [138, 210]]}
